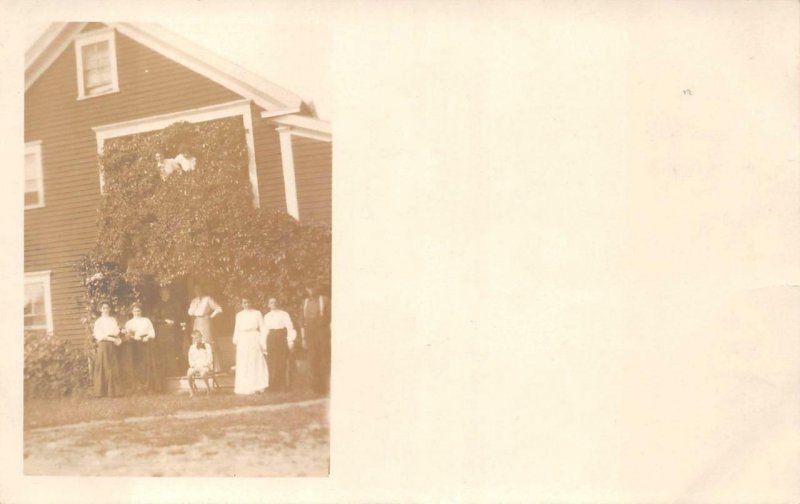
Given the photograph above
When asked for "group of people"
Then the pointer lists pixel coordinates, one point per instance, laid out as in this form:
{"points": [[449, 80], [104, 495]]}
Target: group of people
{"points": [[136, 357]]}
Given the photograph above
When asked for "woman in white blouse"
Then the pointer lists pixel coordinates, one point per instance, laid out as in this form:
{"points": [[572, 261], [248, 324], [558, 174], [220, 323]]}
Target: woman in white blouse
{"points": [[106, 369], [280, 337], [141, 331], [251, 370], [203, 308]]}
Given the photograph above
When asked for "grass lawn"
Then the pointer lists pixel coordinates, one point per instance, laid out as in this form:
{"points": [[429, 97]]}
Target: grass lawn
{"points": [[179, 435], [288, 441], [57, 412]]}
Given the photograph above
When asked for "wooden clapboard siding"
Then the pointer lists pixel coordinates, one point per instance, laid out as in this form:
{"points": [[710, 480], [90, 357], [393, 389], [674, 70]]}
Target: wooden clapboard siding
{"points": [[271, 190], [57, 234], [312, 165]]}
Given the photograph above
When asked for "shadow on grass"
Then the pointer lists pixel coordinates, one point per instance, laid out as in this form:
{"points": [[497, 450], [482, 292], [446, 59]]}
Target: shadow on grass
{"points": [[266, 429], [280, 442], [57, 412]]}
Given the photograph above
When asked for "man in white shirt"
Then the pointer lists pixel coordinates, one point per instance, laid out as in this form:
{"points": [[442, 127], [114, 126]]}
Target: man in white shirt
{"points": [[280, 336], [201, 359]]}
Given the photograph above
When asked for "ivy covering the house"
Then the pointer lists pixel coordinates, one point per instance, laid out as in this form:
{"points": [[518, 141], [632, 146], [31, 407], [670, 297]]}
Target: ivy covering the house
{"points": [[201, 223]]}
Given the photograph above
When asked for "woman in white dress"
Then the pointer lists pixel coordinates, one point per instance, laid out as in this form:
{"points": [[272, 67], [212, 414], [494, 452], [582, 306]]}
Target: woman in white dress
{"points": [[251, 368]]}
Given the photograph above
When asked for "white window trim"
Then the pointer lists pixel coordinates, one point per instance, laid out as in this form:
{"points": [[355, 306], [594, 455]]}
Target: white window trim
{"points": [[44, 278], [210, 113], [36, 148], [302, 126], [289, 180], [92, 37]]}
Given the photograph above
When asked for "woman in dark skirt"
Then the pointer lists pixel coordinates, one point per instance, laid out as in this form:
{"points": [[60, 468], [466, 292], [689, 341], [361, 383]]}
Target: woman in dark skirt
{"points": [[167, 318], [106, 368], [142, 334], [280, 336], [126, 363]]}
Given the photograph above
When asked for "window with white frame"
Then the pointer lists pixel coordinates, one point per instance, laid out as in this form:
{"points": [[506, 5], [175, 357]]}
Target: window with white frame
{"points": [[38, 311], [34, 185], [97, 64]]}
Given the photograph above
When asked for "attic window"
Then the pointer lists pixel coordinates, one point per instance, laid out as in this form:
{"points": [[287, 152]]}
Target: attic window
{"points": [[97, 64]]}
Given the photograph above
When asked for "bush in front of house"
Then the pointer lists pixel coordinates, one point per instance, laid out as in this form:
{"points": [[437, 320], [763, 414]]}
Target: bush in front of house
{"points": [[54, 367]]}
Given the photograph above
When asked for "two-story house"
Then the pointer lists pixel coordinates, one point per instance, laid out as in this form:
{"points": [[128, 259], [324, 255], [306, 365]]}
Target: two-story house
{"points": [[88, 82]]}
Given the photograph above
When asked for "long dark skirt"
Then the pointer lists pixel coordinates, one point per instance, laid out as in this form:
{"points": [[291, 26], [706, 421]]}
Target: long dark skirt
{"points": [[318, 342], [277, 355], [106, 371], [169, 348], [127, 366], [148, 373]]}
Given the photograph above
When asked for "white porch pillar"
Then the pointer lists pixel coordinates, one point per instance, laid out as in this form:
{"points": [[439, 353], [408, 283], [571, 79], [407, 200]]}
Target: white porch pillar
{"points": [[289, 182]]}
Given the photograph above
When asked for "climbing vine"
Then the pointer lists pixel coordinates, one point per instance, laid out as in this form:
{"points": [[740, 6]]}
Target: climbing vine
{"points": [[155, 228]]}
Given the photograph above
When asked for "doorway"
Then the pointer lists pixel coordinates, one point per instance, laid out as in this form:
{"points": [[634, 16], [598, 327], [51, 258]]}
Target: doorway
{"points": [[172, 304], [221, 325]]}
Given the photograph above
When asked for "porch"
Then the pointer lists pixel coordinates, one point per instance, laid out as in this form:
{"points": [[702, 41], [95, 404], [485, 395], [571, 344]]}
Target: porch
{"points": [[297, 379]]}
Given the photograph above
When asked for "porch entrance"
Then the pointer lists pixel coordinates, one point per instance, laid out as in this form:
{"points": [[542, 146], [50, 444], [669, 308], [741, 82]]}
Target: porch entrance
{"points": [[172, 303]]}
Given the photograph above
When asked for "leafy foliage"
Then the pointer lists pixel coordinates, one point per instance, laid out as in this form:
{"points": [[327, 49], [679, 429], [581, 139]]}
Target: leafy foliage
{"points": [[53, 367], [200, 223]]}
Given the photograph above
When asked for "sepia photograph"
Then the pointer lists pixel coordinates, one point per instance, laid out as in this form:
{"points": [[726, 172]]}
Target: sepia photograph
{"points": [[177, 257], [551, 257]]}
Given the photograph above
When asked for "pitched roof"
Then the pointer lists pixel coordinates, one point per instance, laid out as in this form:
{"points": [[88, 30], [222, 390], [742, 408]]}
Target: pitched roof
{"points": [[264, 93]]}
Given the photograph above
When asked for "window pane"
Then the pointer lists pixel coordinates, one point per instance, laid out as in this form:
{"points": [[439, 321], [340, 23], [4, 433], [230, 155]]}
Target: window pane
{"points": [[34, 312], [95, 54], [95, 78], [35, 321], [31, 185], [96, 67], [34, 295], [31, 178], [31, 165], [31, 198]]}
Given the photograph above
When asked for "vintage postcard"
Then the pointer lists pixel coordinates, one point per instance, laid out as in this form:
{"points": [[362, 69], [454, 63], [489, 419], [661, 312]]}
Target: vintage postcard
{"points": [[550, 256], [177, 259]]}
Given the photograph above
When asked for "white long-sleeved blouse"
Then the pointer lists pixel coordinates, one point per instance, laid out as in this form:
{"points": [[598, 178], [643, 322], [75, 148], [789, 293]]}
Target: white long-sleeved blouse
{"points": [[104, 327], [204, 307], [279, 319], [141, 328]]}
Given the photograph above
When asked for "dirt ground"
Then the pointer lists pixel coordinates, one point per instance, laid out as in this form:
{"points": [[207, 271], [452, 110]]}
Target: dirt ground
{"points": [[266, 440]]}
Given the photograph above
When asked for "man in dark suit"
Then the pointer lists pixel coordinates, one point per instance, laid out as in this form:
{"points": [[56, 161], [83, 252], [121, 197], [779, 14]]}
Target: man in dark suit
{"points": [[315, 323]]}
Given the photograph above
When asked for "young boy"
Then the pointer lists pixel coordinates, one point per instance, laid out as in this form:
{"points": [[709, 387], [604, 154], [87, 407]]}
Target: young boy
{"points": [[200, 361]]}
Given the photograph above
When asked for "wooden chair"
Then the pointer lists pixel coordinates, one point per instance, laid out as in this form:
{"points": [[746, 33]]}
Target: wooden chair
{"points": [[212, 382]]}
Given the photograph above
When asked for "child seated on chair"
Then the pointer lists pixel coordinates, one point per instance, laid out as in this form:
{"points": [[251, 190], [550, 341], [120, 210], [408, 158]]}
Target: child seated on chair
{"points": [[200, 361]]}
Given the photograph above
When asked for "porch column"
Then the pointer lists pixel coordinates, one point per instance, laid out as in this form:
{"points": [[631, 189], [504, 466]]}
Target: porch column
{"points": [[289, 182]]}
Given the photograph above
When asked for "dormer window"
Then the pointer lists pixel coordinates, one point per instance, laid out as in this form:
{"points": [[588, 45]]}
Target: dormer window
{"points": [[97, 64]]}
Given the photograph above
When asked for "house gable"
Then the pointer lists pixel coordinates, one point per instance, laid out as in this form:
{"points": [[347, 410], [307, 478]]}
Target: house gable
{"points": [[152, 85], [264, 93], [57, 234]]}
